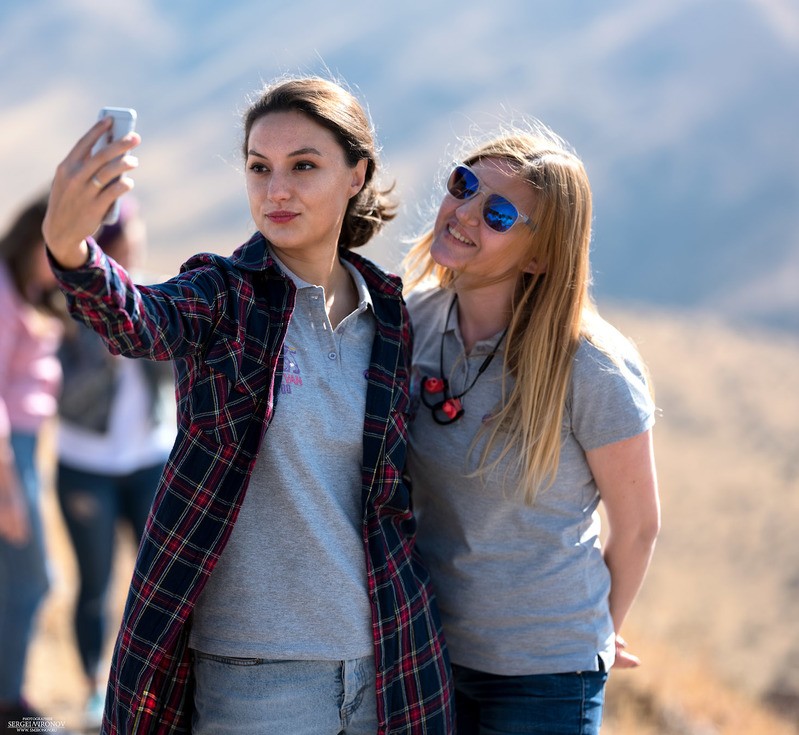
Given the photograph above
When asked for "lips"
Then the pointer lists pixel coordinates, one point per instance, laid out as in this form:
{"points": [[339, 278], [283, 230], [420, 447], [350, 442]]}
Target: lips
{"points": [[457, 235], [281, 216]]}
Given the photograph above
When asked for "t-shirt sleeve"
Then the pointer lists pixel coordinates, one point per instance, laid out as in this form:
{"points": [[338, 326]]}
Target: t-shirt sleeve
{"points": [[608, 402]]}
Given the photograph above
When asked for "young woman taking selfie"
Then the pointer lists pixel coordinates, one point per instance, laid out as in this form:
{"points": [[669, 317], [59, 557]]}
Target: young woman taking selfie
{"points": [[276, 589]]}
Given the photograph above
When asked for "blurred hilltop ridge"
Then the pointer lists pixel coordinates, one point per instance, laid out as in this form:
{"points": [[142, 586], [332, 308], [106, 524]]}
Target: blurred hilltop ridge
{"points": [[684, 113]]}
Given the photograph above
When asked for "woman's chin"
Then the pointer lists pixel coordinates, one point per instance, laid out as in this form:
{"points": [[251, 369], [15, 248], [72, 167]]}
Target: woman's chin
{"points": [[443, 256]]}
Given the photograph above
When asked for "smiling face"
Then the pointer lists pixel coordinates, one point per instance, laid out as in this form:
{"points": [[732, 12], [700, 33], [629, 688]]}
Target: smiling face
{"points": [[299, 183], [464, 243]]}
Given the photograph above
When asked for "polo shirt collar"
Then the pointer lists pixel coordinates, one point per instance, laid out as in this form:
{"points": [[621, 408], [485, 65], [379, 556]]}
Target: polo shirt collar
{"points": [[364, 297]]}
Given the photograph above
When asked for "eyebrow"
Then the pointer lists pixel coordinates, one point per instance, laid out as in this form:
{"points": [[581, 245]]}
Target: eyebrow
{"points": [[299, 152]]}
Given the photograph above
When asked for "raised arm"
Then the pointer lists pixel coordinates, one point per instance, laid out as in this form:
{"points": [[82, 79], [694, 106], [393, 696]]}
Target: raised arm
{"points": [[627, 482], [83, 191], [161, 322]]}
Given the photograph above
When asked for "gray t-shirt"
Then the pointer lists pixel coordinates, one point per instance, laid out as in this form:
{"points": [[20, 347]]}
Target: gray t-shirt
{"points": [[522, 590], [291, 582]]}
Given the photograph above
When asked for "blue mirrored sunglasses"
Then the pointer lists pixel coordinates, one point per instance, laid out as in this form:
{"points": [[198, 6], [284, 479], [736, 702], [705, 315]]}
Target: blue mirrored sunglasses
{"points": [[498, 213]]}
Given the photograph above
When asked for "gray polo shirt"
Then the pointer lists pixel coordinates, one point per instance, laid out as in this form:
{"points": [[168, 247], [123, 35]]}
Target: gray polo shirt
{"points": [[291, 582], [522, 590]]}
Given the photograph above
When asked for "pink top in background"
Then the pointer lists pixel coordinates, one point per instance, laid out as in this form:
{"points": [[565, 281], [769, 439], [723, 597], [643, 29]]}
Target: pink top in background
{"points": [[30, 374]]}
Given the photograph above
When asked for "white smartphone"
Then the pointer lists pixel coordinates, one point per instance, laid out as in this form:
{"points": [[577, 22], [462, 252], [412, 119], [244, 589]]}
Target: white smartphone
{"points": [[124, 123]]}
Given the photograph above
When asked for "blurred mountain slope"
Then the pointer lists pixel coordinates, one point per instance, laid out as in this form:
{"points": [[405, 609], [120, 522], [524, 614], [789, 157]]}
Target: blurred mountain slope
{"points": [[684, 113], [724, 583]]}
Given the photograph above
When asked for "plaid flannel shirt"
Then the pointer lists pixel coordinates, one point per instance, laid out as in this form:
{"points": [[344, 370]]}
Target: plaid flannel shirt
{"points": [[223, 322]]}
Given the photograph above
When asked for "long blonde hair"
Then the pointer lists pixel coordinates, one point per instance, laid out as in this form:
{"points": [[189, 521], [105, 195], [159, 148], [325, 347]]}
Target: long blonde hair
{"points": [[551, 311]]}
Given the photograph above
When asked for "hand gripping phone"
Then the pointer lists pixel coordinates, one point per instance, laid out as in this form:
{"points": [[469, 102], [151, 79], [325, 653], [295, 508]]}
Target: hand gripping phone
{"points": [[124, 123]]}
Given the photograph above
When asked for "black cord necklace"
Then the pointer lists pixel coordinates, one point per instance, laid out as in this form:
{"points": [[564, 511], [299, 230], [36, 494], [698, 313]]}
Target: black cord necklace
{"points": [[450, 409]]}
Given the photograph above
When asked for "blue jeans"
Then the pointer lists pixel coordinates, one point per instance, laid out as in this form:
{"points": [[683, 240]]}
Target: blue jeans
{"points": [[268, 697], [92, 504], [23, 576], [549, 704]]}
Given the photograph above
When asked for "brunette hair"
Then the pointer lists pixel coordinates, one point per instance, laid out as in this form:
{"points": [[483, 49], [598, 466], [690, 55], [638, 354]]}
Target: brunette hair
{"points": [[19, 244], [336, 109]]}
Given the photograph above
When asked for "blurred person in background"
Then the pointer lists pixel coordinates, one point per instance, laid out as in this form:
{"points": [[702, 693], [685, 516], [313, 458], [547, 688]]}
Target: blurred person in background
{"points": [[116, 427], [529, 410], [30, 376], [277, 587]]}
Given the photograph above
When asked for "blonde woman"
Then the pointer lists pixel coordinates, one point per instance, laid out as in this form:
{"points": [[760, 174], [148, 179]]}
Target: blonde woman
{"points": [[530, 410]]}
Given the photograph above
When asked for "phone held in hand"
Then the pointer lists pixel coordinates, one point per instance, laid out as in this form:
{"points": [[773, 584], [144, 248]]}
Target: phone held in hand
{"points": [[124, 123]]}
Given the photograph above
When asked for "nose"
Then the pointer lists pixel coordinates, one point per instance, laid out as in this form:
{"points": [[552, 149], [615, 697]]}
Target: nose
{"points": [[278, 189], [469, 210]]}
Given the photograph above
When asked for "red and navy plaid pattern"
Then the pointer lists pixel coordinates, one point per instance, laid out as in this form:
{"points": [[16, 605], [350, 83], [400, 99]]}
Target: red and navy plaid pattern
{"points": [[223, 322]]}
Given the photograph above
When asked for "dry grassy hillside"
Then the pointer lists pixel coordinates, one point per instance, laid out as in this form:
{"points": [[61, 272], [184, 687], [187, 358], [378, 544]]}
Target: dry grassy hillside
{"points": [[724, 585], [716, 621]]}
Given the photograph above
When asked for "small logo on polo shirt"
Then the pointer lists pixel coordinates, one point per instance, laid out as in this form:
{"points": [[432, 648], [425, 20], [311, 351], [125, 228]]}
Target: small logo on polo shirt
{"points": [[292, 378]]}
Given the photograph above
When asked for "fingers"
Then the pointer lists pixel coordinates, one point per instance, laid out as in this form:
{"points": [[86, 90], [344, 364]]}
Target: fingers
{"points": [[86, 184], [111, 154], [83, 162], [624, 659], [83, 147], [103, 178]]}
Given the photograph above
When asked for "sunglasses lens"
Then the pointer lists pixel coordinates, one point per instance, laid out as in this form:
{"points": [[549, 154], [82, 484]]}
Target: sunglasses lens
{"points": [[462, 184], [499, 214]]}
